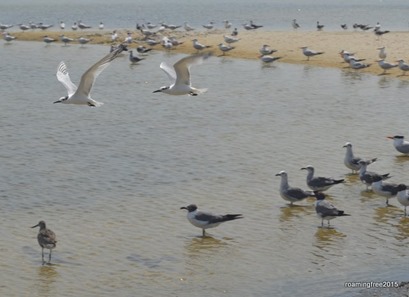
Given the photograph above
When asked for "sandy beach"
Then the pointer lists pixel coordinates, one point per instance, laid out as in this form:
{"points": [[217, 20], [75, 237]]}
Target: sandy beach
{"points": [[288, 43]]}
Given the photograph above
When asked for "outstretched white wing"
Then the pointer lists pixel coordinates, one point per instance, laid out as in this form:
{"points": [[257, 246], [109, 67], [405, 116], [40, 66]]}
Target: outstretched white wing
{"points": [[183, 65], [170, 72], [88, 78], [64, 78]]}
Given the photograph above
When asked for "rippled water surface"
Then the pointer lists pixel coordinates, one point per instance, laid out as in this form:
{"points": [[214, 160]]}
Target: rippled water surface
{"points": [[110, 180]]}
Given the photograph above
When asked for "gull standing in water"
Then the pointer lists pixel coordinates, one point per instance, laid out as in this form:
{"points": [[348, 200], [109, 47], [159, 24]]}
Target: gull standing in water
{"points": [[291, 194], [351, 161], [403, 196], [400, 144], [367, 177], [81, 95], [46, 239], [325, 210], [387, 190], [319, 183], [309, 53], [206, 220], [180, 74]]}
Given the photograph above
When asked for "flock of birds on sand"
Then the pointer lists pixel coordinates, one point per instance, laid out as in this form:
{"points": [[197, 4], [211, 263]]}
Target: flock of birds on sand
{"points": [[150, 31], [181, 85]]}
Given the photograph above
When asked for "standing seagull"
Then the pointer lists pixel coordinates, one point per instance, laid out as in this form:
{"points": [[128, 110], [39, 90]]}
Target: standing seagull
{"points": [[403, 196], [382, 53], [180, 73], [46, 239], [325, 210], [319, 183], [197, 45], [295, 24], [400, 144], [403, 66], [351, 161], [386, 65], [310, 53], [319, 26], [367, 177], [225, 48], [387, 190], [134, 59], [81, 95], [291, 194], [205, 220]]}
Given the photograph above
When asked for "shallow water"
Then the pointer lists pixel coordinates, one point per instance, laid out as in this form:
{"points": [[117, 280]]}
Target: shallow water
{"points": [[110, 180], [272, 14]]}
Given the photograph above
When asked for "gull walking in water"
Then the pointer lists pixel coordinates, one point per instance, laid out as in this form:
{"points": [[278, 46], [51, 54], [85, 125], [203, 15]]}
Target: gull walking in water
{"points": [[291, 194], [367, 177], [386, 66], [403, 196], [325, 210], [387, 190], [351, 161], [206, 220], [180, 74], [400, 144], [81, 95], [310, 53], [319, 26], [46, 239], [319, 183]]}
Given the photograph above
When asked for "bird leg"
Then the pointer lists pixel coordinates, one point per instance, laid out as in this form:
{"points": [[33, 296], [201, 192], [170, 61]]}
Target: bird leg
{"points": [[49, 257], [203, 233], [42, 255]]}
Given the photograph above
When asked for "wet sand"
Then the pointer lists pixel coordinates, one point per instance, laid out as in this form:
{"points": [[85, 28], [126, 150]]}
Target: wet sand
{"points": [[287, 44]]}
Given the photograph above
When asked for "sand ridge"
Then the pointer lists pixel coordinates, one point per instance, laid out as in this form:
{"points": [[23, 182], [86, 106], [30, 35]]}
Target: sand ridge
{"points": [[287, 43]]}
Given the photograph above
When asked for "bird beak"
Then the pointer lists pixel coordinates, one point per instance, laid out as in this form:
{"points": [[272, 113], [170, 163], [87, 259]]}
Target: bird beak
{"points": [[157, 91], [303, 168], [35, 226], [183, 207], [278, 174], [390, 137], [58, 101]]}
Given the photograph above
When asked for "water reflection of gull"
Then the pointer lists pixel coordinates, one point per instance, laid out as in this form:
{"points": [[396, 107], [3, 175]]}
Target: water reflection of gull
{"points": [[294, 211]]}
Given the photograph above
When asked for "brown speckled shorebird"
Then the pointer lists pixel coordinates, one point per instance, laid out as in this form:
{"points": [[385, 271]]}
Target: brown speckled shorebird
{"points": [[46, 239]]}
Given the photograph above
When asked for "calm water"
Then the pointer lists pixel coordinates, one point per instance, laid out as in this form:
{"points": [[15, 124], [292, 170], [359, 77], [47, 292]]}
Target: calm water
{"points": [[110, 181], [273, 14]]}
